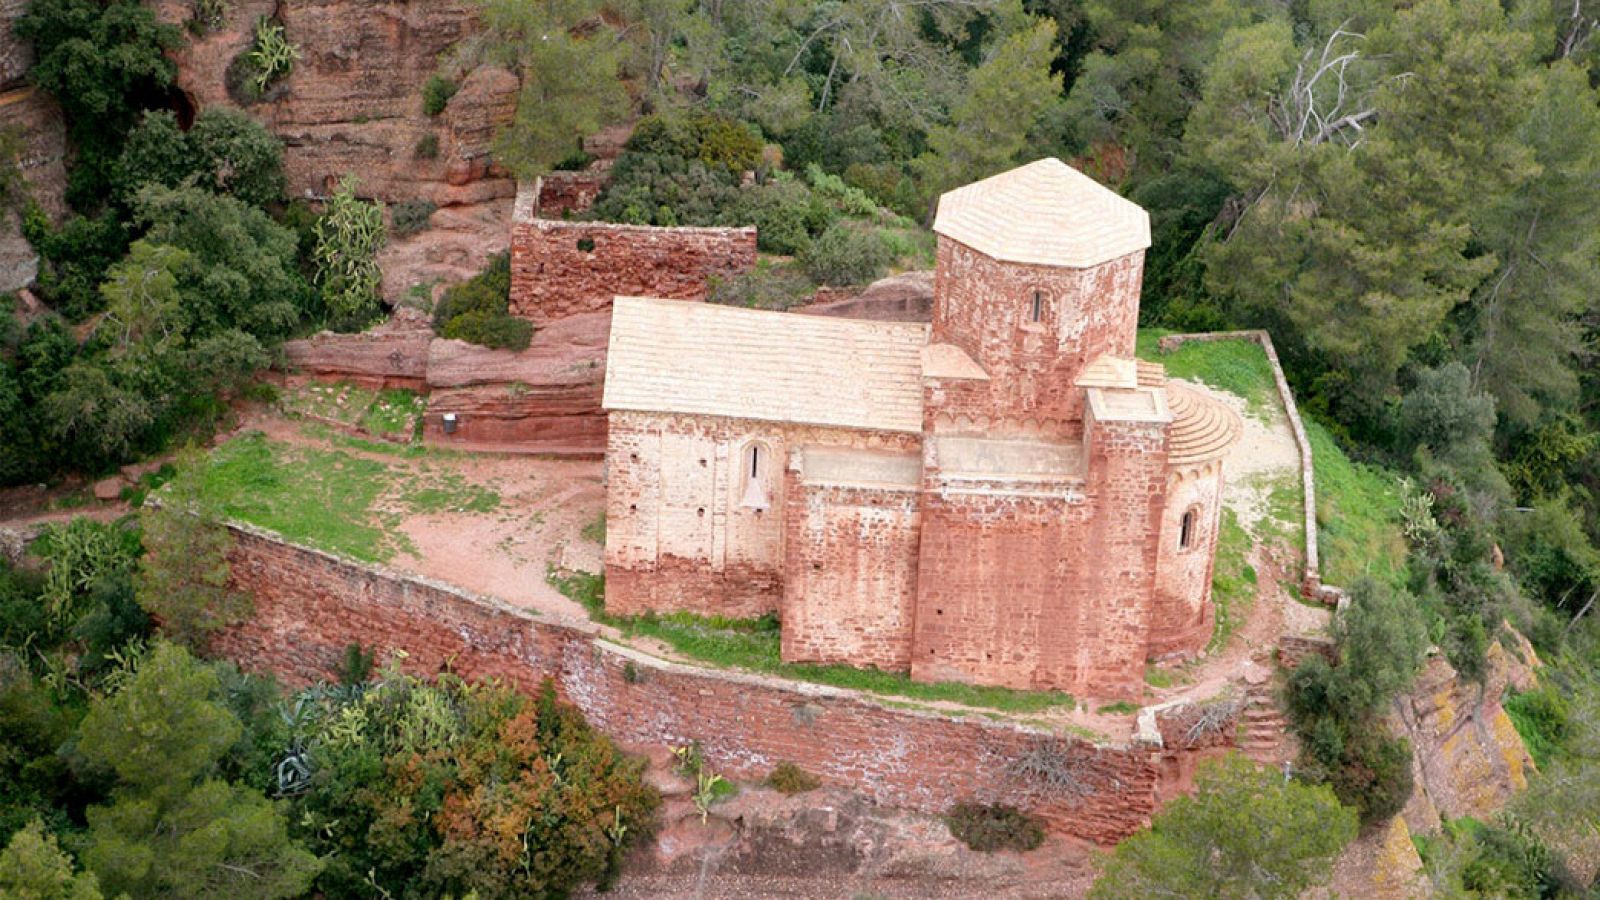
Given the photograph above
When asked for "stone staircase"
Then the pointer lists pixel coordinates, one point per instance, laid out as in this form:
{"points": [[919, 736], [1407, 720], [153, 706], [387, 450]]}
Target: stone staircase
{"points": [[1264, 735]]}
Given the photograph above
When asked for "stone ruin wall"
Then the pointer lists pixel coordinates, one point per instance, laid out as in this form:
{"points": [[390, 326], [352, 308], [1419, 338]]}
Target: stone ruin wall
{"points": [[678, 536], [310, 605], [561, 269]]}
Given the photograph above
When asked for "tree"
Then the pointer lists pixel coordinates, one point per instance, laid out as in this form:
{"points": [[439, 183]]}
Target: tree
{"points": [[183, 577], [243, 273], [34, 867], [103, 62], [1245, 832], [226, 152], [173, 828], [349, 235], [989, 125], [569, 68], [95, 420], [141, 292], [457, 789]]}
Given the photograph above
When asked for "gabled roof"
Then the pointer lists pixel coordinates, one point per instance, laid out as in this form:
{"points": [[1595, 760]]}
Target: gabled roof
{"points": [[675, 356], [1044, 213]]}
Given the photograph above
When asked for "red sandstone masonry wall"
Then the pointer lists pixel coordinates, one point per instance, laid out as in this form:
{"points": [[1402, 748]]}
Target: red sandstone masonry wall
{"points": [[310, 605], [984, 306], [559, 269], [850, 574]]}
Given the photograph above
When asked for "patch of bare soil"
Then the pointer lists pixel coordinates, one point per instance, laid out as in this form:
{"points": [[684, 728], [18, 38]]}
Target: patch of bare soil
{"points": [[506, 552]]}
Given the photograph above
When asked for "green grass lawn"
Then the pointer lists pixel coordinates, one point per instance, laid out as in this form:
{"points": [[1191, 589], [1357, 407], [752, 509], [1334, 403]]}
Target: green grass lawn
{"points": [[1358, 515], [753, 645], [1238, 367], [329, 498], [1233, 580]]}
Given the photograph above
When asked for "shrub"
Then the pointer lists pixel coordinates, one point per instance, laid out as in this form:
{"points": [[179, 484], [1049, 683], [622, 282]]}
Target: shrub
{"points": [[766, 286], [349, 235], [449, 788], [785, 213], [1244, 832], [271, 56], [500, 331], [994, 827], [411, 216], [845, 255], [1543, 719], [789, 778], [488, 291], [436, 94], [428, 147]]}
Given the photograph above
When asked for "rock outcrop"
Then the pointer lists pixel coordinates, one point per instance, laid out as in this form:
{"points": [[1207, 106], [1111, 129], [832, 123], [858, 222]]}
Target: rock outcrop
{"points": [[353, 102], [1468, 759], [906, 297], [36, 118], [393, 355], [545, 399]]}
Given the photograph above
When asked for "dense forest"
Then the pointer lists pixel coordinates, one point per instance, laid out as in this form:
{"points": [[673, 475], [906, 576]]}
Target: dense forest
{"points": [[1406, 196]]}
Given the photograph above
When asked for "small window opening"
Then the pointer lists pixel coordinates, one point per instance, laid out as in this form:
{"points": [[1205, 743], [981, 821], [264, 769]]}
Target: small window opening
{"points": [[1186, 531], [1038, 306], [586, 244], [755, 488]]}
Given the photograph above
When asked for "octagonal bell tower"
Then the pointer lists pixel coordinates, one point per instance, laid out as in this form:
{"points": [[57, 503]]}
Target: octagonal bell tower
{"points": [[1039, 271]]}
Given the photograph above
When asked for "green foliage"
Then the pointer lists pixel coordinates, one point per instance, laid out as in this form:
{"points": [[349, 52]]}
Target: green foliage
{"points": [[720, 143], [988, 828], [788, 778], [1543, 720], [226, 151], [451, 788], [172, 825], [207, 15], [845, 255], [570, 87], [75, 258], [769, 285], [271, 56], [183, 580], [495, 330], [34, 867], [1337, 710], [427, 147], [349, 235], [477, 310], [1244, 833], [104, 62], [990, 123], [411, 216], [436, 94], [243, 274]]}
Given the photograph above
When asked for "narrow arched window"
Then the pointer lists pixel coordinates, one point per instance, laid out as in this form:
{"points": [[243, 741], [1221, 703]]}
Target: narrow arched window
{"points": [[1038, 307], [1186, 531], [755, 468]]}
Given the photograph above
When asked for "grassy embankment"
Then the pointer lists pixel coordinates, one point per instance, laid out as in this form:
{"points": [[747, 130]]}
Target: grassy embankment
{"points": [[341, 498]]}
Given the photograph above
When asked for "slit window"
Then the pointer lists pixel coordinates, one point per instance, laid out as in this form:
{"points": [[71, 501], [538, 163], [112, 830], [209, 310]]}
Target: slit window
{"points": [[1037, 312], [755, 488], [1186, 531]]}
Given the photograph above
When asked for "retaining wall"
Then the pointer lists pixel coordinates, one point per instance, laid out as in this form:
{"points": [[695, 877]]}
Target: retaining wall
{"points": [[310, 605]]}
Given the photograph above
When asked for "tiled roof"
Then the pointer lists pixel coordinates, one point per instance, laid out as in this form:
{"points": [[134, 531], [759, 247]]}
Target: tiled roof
{"points": [[1202, 428], [682, 357], [1045, 213]]}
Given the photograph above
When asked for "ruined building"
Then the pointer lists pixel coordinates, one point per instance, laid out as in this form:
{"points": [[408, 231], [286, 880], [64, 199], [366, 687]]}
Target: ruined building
{"points": [[1004, 497]]}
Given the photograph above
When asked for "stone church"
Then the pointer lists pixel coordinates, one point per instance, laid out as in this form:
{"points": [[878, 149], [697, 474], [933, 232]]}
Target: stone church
{"points": [[1005, 497]]}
